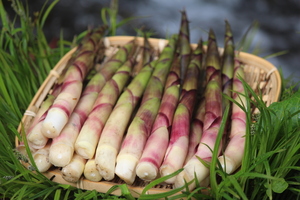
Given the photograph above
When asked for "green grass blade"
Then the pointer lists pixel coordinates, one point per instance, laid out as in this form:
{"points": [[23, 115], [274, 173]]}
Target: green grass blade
{"points": [[47, 12], [57, 194], [161, 195], [159, 180], [214, 160], [124, 191], [238, 188], [280, 53]]}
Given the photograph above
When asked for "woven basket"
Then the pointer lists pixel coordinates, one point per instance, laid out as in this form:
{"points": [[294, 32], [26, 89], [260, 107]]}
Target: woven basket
{"points": [[260, 74]]}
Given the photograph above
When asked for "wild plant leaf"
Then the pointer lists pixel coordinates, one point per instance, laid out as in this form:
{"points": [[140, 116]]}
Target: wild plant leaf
{"points": [[290, 106], [279, 185]]}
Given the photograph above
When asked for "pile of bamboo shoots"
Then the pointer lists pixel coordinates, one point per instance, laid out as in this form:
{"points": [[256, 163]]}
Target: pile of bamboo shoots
{"points": [[144, 113]]}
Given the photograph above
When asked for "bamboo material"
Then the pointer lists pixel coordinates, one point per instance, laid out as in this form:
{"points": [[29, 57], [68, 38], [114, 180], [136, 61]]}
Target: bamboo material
{"points": [[260, 74]]}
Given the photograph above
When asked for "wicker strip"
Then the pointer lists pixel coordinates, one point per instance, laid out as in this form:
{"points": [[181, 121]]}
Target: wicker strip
{"points": [[261, 75]]}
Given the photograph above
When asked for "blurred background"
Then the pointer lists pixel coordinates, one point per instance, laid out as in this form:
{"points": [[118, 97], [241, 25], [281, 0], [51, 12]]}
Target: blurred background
{"points": [[278, 22]]}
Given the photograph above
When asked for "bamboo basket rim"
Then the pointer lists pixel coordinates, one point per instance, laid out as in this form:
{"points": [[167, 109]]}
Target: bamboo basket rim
{"points": [[102, 186]]}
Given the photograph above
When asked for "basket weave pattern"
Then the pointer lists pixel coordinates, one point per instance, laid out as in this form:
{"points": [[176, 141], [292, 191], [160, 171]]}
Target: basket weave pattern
{"points": [[261, 75]]}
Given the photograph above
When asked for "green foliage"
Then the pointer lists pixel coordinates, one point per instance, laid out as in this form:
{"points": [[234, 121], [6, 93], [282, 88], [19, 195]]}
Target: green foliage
{"points": [[26, 60], [270, 168], [245, 42], [109, 17]]}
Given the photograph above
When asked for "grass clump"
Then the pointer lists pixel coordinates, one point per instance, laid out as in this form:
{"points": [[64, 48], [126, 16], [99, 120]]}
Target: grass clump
{"points": [[270, 169]]}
